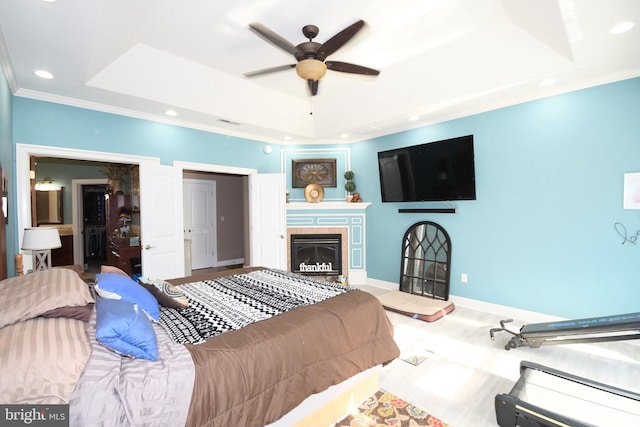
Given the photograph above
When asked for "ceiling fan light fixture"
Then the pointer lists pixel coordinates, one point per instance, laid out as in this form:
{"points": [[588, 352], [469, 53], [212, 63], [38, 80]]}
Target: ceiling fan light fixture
{"points": [[621, 27], [43, 74], [311, 69]]}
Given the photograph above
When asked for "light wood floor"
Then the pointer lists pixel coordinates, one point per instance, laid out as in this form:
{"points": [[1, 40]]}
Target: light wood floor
{"points": [[466, 369]]}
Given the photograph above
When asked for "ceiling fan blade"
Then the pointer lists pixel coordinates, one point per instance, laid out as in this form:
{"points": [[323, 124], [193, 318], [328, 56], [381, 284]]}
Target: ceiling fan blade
{"points": [[345, 67], [313, 87], [270, 70], [274, 38], [339, 40]]}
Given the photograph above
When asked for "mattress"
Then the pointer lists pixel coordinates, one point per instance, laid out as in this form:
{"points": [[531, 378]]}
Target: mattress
{"points": [[251, 376]]}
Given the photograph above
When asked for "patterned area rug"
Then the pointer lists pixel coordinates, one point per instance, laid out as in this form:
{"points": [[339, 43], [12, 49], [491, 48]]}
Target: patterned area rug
{"points": [[386, 409]]}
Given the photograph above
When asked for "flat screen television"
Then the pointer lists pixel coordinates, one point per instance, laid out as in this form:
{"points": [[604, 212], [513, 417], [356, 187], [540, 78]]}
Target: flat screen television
{"points": [[435, 171]]}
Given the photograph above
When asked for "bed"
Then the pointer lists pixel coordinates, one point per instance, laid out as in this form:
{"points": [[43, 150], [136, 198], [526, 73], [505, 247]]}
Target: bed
{"points": [[251, 376]]}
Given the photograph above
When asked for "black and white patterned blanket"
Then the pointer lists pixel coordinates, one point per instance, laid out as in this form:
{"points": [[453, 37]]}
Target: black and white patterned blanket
{"points": [[230, 303]]}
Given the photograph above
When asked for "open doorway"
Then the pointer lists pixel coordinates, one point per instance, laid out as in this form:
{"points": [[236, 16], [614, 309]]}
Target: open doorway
{"points": [[214, 220], [91, 228], [91, 215]]}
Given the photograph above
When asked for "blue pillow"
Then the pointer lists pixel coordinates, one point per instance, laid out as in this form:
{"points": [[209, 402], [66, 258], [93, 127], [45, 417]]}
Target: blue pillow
{"points": [[124, 328], [117, 286]]}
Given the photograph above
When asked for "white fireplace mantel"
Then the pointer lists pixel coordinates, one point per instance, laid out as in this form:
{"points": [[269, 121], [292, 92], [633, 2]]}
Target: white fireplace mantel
{"points": [[327, 206], [335, 217]]}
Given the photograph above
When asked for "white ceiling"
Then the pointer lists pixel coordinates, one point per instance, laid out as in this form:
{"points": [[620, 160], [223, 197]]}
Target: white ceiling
{"points": [[438, 59]]}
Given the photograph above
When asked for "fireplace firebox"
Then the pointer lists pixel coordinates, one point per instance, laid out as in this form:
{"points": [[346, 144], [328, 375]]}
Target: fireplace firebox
{"points": [[316, 254]]}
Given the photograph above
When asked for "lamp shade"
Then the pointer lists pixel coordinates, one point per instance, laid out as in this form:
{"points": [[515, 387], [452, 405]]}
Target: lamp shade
{"points": [[41, 238], [311, 69]]}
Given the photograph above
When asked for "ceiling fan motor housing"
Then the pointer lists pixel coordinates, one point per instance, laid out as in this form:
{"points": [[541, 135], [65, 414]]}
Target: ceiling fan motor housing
{"points": [[307, 50]]}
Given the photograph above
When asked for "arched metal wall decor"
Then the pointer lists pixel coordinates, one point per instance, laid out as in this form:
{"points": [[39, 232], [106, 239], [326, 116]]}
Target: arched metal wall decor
{"points": [[426, 261]]}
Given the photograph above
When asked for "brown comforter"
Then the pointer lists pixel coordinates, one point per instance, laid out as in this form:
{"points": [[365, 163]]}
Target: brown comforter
{"points": [[253, 376]]}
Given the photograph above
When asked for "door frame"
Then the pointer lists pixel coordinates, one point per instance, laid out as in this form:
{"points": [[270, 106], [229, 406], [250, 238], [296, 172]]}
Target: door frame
{"points": [[23, 184], [205, 167], [230, 170]]}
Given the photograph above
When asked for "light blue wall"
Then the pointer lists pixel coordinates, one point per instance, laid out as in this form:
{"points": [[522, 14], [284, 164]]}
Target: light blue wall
{"points": [[549, 176], [541, 234], [8, 163], [44, 123]]}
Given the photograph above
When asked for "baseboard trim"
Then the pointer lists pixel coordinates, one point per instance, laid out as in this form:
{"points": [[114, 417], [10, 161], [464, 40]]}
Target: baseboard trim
{"points": [[525, 316], [357, 277], [228, 262], [504, 310], [390, 286], [501, 310]]}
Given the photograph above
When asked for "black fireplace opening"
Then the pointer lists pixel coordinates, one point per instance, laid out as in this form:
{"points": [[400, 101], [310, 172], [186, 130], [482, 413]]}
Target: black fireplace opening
{"points": [[316, 254]]}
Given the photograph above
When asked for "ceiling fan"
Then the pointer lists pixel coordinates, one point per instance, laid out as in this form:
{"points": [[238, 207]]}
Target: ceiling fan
{"points": [[311, 55]]}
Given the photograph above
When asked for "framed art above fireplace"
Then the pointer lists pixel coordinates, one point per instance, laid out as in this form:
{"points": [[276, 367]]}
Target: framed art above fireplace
{"points": [[313, 171]]}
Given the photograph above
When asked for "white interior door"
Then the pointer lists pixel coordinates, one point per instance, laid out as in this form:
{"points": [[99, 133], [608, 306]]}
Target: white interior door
{"points": [[199, 221], [161, 221], [267, 220]]}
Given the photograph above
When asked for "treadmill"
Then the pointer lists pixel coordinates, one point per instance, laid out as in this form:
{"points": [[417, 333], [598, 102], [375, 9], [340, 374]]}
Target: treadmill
{"points": [[545, 397], [594, 329]]}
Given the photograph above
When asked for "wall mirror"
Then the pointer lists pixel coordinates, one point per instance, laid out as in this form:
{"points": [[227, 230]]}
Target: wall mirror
{"points": [[49, 206], [426, 261]]}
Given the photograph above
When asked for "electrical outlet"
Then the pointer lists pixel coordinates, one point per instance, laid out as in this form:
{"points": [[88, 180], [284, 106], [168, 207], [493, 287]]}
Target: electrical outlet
{"points": [[464, 277]]}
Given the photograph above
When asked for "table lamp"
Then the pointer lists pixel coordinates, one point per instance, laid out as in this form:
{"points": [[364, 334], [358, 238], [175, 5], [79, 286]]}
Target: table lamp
{"points": [[40, 240]]}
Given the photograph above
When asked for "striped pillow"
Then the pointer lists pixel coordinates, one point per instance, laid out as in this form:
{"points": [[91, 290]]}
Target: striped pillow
{"points": [[42, 360], [29, 296]]}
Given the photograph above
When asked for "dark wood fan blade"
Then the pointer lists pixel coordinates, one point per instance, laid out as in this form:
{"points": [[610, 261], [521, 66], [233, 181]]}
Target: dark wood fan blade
{"points": [[270, 70], [274, 38], [339, 40], [313, 87], [345, 67]]}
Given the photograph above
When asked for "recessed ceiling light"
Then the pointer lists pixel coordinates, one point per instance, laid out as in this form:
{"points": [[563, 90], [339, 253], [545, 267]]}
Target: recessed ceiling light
{"points": [[547, 82], [50, 1], [621, 27], [287, 138], [344, 135], [43, 74], [171, 113], [414, 118]]}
